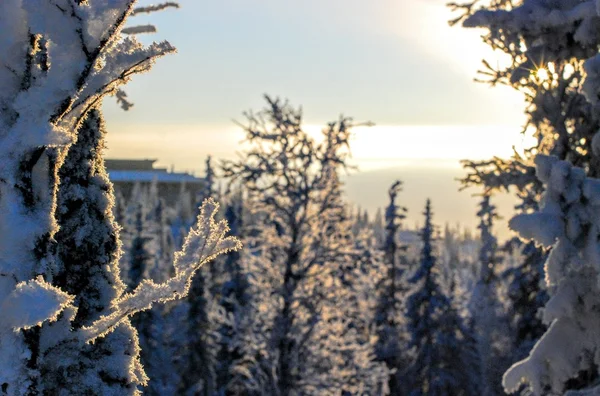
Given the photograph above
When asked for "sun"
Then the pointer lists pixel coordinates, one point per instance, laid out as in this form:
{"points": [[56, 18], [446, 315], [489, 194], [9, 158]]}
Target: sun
{"points": [[542, 74]]}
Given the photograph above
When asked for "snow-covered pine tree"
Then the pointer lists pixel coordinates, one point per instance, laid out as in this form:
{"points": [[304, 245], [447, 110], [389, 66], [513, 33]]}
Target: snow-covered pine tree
{"points": [[362, 279], [59, 59], [233, 294], [379, 227], [546, 44], [183, 215], [148, 254], [360, 221], [201, 342], [489, 319], [209, 189], [552, 47], [340, 355], [443, 346], [158, 217], [86, 242], [390, 321], [204, 318], [139, 256], [566, 356]]}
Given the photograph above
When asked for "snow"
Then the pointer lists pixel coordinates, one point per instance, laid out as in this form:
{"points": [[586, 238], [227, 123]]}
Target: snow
{"points": [[32, 303], [573, 268]]}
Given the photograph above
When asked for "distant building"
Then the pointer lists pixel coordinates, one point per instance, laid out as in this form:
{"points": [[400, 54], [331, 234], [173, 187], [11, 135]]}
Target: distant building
{"points": [[125, 173]]}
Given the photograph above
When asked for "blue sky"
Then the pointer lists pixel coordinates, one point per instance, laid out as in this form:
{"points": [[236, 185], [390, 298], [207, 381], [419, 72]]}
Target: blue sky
{"points": [[394, 62]]}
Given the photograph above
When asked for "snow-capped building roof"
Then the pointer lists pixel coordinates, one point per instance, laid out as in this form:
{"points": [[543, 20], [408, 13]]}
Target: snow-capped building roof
{"points": [[142, 170], [160, 176]]}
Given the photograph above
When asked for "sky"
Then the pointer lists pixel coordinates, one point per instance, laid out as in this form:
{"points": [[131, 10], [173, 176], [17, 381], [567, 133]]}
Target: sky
{"points": [[396, 63]]}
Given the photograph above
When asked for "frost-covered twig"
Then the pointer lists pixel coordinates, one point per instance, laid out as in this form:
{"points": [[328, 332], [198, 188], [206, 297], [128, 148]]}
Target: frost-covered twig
{"points": [[204, 242], [139, 29], [154, 8], [122, 100]]}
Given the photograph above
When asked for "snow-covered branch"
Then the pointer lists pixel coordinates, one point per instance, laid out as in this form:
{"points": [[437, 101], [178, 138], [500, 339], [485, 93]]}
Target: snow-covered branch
{"points": [[204, 242], [536, 14]]}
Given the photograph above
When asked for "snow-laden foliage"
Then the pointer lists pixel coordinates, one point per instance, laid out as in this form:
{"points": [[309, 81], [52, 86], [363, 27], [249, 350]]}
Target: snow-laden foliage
{"points": [[566, 357], [546, 44], [57, 60]]}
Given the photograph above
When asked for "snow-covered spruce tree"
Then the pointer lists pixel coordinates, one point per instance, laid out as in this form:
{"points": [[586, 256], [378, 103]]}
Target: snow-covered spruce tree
{"points": [[183, 215], [204, 318], [252, 368], [209, 189], [443, 347], [201, 341], [58, 60], [546, 44], [297, 191], [86, 242], [566, 357], [489, 319], [233, 295], [86, 231], [148, 253], [392, 290], [139, 257], [362, 278]]}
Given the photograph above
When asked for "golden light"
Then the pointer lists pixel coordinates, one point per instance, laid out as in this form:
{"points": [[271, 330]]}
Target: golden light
{"points": [[542, 74]]}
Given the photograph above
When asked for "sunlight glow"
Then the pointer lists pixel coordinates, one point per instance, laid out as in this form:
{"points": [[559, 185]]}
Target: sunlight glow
{"points": [[437, 146], [542, 74], [425, 23], [377, 147]]}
